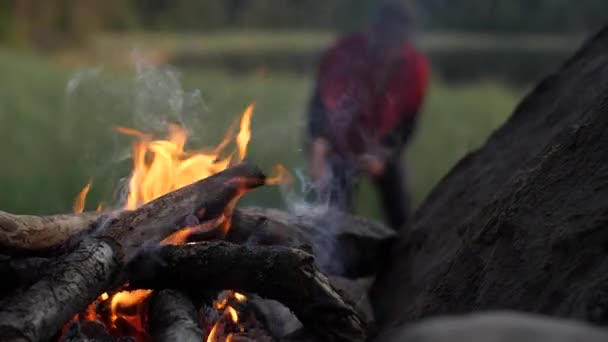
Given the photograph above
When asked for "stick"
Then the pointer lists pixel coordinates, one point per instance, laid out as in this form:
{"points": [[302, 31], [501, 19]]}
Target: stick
{"points": [[343, 244], [284, 274], [27, 232], [172, 317], [81, 276]]}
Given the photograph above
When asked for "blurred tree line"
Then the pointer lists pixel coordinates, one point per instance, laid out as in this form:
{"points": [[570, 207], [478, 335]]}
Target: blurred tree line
{"points": [[52, 23]]}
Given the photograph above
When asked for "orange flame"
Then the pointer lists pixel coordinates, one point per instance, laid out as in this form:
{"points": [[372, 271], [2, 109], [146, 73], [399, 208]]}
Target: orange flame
{"points": [[239, 297], [213, 333], [244, 136], [220, 330], [81, 198], [234, 316], [280, 176]]}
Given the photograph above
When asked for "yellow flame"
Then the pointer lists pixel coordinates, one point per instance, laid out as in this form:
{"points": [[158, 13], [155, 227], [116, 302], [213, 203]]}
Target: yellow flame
{"points": [[127, 299], [239, 297], [81, 198], [244, 136], [234, 316], [213, 333], [161, 166]]}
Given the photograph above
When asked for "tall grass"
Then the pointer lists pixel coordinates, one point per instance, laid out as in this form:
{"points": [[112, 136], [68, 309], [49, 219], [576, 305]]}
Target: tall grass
{"points": [[54, 139]]}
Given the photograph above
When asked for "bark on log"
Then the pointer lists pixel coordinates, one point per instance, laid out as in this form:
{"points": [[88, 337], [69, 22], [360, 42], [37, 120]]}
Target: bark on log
{"points": [[172, 317], [81, 276], [342, 244], [17, 272], [284, 274], [40, 311], [520, 223], [27, 232]]}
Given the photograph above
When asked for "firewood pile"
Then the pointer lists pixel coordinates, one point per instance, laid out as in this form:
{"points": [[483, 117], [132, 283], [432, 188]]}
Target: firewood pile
{"points": [[270, 270]]}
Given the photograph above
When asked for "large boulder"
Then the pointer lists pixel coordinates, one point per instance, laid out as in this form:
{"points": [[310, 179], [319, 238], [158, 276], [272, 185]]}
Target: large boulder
{"points": [[521, 223]]}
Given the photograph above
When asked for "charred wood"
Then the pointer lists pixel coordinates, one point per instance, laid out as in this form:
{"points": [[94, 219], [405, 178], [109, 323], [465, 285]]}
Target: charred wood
{"points": [[91, 331], [75, 281], [343, 244], [172, 317], [19, 272], [285, 274], [279, 320]]}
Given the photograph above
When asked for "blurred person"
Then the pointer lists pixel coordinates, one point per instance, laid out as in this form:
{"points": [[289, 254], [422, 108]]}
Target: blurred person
{"points": [[369, 89]]}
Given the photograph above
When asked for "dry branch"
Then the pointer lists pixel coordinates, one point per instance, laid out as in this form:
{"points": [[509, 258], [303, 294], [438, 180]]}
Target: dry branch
{"points": [[27, 232], [81, 276], [284, 274], [172, 317], [343, 244]]}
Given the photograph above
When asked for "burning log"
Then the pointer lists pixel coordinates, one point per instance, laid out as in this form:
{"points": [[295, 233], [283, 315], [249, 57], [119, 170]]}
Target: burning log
{"points": [[27, 232], [343, 244], [287, 275], [172, 317], [94, 267]]}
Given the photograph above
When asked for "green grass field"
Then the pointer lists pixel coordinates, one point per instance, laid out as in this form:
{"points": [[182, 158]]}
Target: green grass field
{"points": [[55, 136]]}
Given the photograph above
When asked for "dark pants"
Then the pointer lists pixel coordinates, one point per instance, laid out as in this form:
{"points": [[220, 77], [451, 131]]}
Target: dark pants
{"points": [[393, 193], [391, 186]]}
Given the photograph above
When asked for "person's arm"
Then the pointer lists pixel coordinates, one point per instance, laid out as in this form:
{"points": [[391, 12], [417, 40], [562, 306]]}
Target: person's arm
{"points": [[396, 140], [390, 148]]}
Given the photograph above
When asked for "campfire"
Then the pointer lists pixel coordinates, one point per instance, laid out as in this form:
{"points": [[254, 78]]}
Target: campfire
{"points": [[179, 262]]}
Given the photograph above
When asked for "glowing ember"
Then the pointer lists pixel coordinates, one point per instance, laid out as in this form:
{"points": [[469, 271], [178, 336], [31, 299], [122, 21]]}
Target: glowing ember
{"points": [[127, 305], [239, 297]]}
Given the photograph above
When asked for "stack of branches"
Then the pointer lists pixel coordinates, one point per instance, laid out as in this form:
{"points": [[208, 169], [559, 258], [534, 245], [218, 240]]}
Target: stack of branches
{"points": [[56, 266]]}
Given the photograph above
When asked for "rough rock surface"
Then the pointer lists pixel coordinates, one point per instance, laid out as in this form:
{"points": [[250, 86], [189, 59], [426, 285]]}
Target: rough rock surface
{"points": [[521, 223]]}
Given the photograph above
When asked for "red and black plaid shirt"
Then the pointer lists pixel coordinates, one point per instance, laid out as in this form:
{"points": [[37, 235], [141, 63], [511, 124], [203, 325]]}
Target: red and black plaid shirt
{"points": [[360, 102]]}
